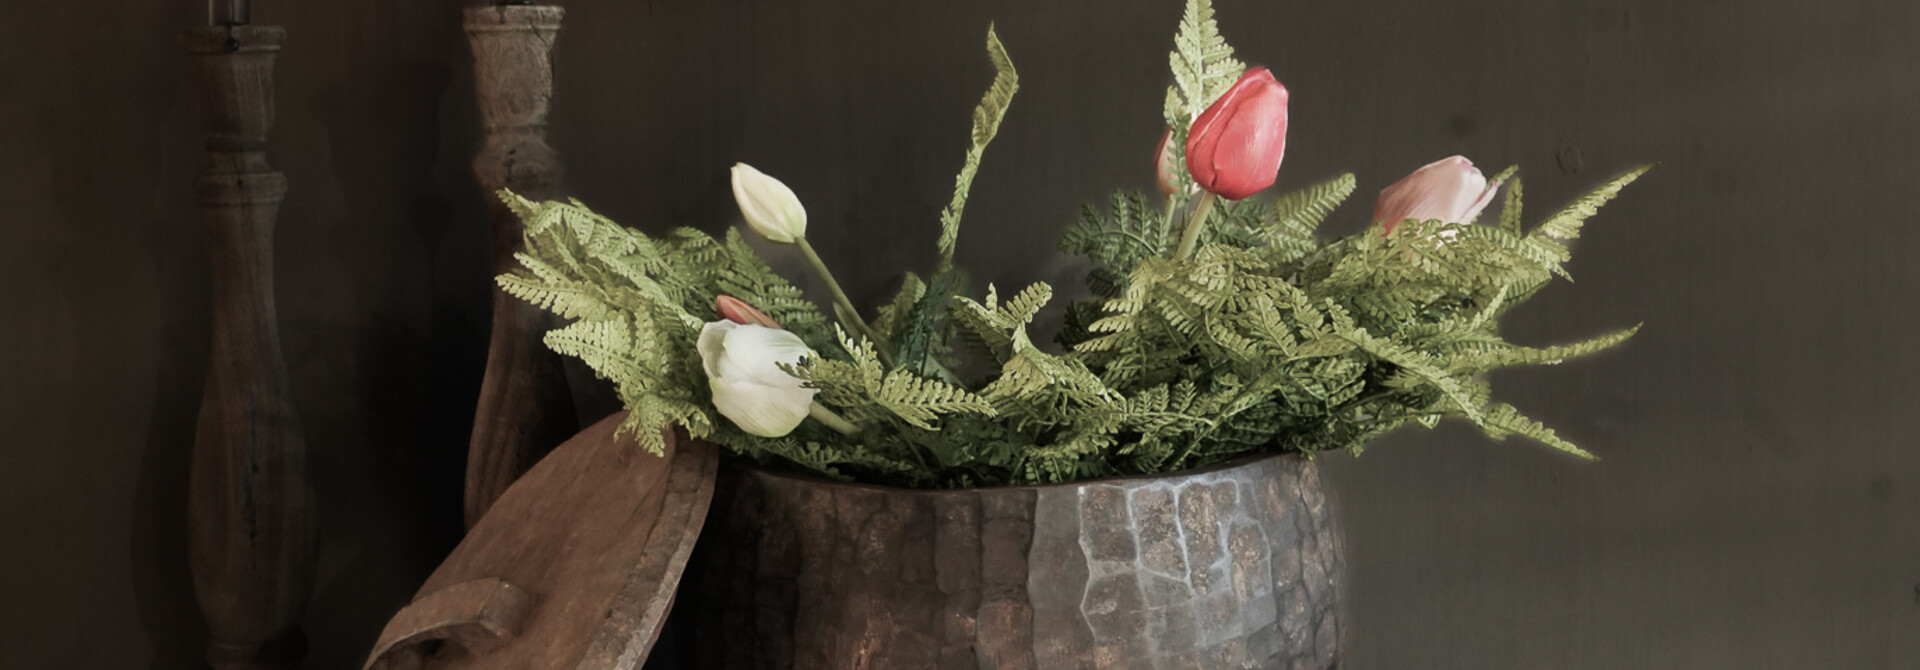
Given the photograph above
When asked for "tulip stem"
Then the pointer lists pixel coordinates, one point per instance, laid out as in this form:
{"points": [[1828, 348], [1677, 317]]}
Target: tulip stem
{"points": [[1195, 221], [1173, 208], [826, 416], [849, 316]]}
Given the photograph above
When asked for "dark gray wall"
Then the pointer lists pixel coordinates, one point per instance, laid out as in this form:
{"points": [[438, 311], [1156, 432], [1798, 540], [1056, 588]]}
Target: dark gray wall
{"points": [[1759, 505]]}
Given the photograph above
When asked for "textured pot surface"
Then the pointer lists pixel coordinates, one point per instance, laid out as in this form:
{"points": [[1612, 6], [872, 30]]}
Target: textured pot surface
{"points": [[1231, 567]]}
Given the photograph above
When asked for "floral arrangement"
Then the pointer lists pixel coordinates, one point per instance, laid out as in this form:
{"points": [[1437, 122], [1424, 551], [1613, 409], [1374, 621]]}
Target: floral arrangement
{"points": [[1216, 324]]}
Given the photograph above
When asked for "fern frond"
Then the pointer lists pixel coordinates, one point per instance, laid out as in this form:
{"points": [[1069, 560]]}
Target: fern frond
{"points": [[1132, 230], [890, 320], [1510, 208], [1297, 215], [994, 323], [1421, 364], [1507, 355], [734, 269], [1202, 62], [1501, 420], [986, 123], [1565, 225], [563, 298], [920, 401], [1034, 378]]}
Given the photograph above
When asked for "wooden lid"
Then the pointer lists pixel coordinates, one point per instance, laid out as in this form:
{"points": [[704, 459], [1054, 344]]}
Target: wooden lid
{"points": [[575, 565]]}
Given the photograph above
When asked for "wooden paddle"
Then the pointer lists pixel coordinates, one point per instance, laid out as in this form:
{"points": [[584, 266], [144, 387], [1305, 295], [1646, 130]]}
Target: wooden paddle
{"points": [[573, 567]]}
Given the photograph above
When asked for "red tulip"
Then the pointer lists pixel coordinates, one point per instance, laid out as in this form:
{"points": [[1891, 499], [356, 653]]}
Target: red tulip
{"points": [[1234, 148]]}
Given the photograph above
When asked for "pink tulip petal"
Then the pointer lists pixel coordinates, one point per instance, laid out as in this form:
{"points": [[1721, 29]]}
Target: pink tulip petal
{"points": [[1486, 198], [1450, 190]]}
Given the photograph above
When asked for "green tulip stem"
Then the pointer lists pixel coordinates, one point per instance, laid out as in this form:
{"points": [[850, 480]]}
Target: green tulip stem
{"points": [[1173, 208], [1195, 221], [826, 416], [849, 316]]}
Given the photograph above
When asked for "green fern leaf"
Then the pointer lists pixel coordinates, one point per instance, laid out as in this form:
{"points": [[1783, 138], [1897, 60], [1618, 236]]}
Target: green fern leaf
{"points": [[891, 318], [1420, 364], [1132, 230], [1507, 355], [1565, 225], [1297, 215], [1502, 420], [1510, 208], [986, 123], [919, 401], [1202, 63]]}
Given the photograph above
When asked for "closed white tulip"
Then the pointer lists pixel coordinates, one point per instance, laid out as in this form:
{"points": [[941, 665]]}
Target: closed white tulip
{"points": [[742, 362], [1451, 190], [770, 207]]}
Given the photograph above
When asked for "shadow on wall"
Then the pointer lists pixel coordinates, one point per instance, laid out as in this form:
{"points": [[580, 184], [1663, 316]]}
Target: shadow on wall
{"points": [[158, 544]]}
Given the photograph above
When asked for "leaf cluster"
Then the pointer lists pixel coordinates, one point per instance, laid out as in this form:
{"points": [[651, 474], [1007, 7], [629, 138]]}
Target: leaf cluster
{"points": [[1298, 344], [1267, 338]]}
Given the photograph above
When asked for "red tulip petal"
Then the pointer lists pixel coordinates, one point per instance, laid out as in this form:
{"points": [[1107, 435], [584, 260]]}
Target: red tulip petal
{"points": [[1251, 145], [1235, 146]]}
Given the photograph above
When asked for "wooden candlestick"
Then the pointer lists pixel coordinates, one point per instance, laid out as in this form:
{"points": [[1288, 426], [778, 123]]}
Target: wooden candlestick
{"points": [[250, 506], [525, 407], [229, 12]]}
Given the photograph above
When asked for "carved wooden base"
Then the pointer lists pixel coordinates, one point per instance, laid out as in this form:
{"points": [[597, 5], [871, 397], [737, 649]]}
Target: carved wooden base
{"points": [[1234, 567], [284, 651]]}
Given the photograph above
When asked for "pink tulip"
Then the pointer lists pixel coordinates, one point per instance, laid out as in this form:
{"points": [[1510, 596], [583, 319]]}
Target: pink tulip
{"points": [[1234, 148], [738, 311], [1450, 189]]}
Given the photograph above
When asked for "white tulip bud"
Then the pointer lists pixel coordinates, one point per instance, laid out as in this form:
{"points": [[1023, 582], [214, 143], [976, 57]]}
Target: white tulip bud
{"points": [[770, 207], [742, 362]]}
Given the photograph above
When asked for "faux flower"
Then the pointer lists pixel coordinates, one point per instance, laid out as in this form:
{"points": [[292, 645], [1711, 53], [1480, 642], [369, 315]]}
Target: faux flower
{"points": [[1450, 189], [1164, 171], [742, 362], [738, 311], [1234, 148], [770, 207]]}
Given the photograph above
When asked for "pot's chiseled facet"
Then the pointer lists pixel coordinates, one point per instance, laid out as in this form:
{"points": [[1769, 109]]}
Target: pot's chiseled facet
{"points": [[1232, 567]]}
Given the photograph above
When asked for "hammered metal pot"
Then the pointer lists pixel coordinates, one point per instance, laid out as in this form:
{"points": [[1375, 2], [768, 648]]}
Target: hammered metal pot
{"points": [[1236, 566]]}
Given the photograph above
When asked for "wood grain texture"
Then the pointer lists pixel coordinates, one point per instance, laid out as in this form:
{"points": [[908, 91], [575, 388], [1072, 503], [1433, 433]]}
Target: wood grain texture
{"points": [[477, 616], [250, 499], [1232, 567], [525, 407], [573, 568]]}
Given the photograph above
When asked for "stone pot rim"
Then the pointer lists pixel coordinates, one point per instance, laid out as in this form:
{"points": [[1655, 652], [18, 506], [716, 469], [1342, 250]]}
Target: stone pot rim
{"points": [[805, 478]]}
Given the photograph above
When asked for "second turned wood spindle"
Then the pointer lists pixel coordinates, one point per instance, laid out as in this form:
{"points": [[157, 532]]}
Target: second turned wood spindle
{"points": [[525, 407]]}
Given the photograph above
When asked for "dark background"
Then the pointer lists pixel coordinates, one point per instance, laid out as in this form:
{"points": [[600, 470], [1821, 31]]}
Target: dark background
{"points": [[1759, 501]]}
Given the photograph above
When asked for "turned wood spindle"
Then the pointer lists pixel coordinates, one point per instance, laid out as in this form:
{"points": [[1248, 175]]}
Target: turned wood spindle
{"points": [[250, 526], [525, 407]]}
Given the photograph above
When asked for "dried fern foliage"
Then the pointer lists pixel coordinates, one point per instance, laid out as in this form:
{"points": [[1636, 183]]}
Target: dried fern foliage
{"points": [[1269, 338]]}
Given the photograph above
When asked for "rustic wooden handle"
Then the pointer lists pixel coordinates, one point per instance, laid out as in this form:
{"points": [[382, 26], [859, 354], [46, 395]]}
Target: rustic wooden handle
{"points": [[480, 616], [525, 407], [250, 497], [599, 531]]}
